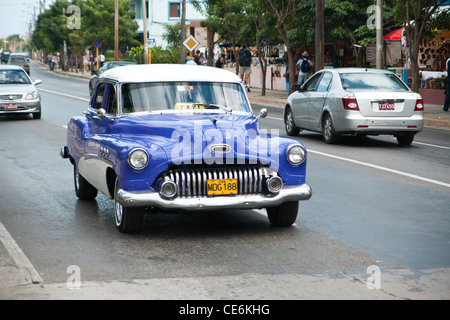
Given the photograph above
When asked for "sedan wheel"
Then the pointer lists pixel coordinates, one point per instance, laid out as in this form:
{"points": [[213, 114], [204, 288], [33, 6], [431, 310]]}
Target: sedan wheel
{"points": [[283, 215], [406, 139], [328, 130], [83, 189], [289, 123], [128, 219]]}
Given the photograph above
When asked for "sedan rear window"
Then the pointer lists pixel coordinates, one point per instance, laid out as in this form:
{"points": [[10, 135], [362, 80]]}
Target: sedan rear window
{"points": [[372, 81]]}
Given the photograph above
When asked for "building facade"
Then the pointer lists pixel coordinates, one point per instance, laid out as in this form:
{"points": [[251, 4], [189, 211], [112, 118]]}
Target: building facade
{"points": [[159, 13]]}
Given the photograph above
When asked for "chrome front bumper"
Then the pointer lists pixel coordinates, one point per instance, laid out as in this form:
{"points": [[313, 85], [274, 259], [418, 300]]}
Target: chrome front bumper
{"points": [[248, 201]]}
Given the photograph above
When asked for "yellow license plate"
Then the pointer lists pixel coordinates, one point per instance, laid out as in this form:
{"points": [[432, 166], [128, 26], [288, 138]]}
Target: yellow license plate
{"points": [[221, 187]]}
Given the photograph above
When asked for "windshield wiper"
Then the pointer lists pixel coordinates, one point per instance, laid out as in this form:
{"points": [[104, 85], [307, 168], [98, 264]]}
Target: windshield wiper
{"points": [[215, 106]]}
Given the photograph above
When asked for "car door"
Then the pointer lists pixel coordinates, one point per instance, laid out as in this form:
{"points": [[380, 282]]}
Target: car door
{"points": [[300, 102], [100, 117], [317, 99], [309, 92]]}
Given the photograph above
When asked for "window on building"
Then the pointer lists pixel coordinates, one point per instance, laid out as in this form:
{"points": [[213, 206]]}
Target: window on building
{"points": [[174, 10]]}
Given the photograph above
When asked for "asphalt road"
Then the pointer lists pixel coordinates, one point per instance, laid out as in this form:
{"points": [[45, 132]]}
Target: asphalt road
{"points": [[374, 203]]}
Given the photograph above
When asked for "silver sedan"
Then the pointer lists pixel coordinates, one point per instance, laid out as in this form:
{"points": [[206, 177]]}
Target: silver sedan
{"points": [[354, 101], [18, 93]]}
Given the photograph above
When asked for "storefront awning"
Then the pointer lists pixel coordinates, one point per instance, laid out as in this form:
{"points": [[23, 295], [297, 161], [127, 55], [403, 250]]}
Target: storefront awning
{"points": [[394, 35]]}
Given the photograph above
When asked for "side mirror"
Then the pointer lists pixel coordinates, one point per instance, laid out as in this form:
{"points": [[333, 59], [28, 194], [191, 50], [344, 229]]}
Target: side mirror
{"points": [[37, 81], [296, 87], [263, 113], [100, 112]]}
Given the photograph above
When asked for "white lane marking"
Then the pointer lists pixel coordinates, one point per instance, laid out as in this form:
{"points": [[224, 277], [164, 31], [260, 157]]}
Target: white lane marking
{"points": [[64, 95], [415, 142], [382, 168], [18, 256], [431, 145]]}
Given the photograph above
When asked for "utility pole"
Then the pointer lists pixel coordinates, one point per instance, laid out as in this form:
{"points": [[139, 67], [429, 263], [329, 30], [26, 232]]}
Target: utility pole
{"points": [[379, 27], [116, 32], [144, 22], [319, 36], [183, 31]]}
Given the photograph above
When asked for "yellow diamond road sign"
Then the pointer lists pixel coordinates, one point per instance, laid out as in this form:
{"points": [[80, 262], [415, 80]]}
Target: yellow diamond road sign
{"points": [[191, 43]]}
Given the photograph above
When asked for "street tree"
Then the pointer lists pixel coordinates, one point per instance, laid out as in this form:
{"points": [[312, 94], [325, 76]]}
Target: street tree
{"points": [[415, 18], [214, 11], [259, 25], [98, 23]]}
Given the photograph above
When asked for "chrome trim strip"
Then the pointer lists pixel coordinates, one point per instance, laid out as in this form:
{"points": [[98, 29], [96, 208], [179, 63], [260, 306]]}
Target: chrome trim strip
{"points": [[249, 201]]}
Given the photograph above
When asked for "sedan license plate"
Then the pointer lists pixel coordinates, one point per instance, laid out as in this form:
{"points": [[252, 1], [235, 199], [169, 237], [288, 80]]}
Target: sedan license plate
{"points": [[10, 106], [388, 106], [221, 187]]}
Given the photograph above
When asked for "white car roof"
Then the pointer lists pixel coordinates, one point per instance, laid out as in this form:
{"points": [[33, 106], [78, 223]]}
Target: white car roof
{"points": [[10, 67], [169, 73], [361, 70]]}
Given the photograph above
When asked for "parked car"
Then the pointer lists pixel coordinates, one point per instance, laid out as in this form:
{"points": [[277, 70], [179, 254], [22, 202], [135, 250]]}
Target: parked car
{"points": [[180, 137], [354, 101], [18, 59], [106, 66], [18, 93], [5, 56]]}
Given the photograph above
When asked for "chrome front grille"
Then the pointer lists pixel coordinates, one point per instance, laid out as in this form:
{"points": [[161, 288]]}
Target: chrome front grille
{"points": [[10, 97], [193, 182]]}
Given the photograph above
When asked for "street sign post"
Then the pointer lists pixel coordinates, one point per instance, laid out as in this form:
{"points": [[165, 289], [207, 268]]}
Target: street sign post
{"points": [[97, 44], [191, 43], [150, 44]]}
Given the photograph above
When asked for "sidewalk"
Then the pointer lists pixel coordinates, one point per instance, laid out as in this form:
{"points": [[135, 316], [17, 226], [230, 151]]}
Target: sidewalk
{"points": [[435, 117]]}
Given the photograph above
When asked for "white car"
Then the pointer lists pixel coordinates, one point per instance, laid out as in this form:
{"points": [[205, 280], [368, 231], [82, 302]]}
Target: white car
{"points": [[354, 101], [18, 93]]}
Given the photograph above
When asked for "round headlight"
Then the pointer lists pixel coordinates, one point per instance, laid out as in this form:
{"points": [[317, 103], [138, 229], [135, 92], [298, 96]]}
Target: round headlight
{"points": [[138, 158], [296, 154], [32, 95]]}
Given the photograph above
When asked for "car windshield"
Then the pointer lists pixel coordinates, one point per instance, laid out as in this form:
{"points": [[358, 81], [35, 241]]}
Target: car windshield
{"points": [[372, 81], [138, 97], [13, 77]]}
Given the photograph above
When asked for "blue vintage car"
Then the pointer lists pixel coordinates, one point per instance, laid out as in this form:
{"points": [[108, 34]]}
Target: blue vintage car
{"points": [[181, 137]]}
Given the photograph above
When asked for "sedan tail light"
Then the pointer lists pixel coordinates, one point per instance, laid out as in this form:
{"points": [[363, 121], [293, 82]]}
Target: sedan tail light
{"points": [[419, 105], [349, 102]]}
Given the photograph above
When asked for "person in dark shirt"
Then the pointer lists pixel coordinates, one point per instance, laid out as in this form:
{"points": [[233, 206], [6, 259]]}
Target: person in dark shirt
{"points": [[447, 98]]}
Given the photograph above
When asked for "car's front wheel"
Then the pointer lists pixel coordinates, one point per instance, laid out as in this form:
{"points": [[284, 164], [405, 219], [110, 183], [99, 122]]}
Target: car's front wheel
{"points": [[128, 219], [83, 189], [283, 215], [37, 115]]}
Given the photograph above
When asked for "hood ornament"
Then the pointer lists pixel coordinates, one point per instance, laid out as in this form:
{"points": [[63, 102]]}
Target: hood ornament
{"points": [[219, 148]]}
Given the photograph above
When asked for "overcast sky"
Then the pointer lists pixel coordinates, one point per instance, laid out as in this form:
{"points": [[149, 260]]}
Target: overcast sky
{"points": [[16, 15]]}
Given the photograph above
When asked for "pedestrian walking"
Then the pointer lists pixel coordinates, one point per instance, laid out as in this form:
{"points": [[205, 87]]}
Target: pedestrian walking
{"points": [[245, 62], [447, 98], [196, 57], [220, 61], [304, 67], [101, 59]]}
